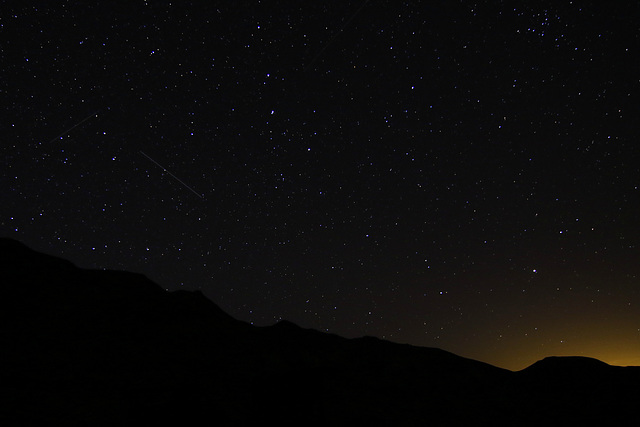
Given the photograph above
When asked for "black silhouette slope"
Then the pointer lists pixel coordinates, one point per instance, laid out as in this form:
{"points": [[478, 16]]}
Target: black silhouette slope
{"points": [[104, 347], [575, 388]]}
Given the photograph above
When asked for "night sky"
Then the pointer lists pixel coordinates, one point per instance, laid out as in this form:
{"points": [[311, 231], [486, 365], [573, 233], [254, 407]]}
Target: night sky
{"points": [[453, 174]]}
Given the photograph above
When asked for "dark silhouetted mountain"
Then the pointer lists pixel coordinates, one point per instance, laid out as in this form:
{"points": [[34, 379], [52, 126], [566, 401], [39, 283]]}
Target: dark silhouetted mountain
{"points": [[97, 347]]}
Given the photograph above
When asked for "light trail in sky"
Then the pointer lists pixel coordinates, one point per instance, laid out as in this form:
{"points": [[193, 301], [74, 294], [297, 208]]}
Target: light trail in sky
{"points": [[90, 116], [172, 175]]}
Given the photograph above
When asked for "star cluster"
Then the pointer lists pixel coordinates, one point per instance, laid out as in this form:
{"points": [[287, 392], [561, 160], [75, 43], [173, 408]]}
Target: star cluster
{"points": [[463, 175]]}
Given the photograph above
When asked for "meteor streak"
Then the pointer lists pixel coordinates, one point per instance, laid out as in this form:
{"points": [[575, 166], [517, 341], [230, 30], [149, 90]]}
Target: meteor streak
{"points": [[172, 175], [90, 116]]}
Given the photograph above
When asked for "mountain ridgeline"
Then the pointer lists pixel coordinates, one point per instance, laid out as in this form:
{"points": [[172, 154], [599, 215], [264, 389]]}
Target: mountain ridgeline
{"points": [[100, 347]]}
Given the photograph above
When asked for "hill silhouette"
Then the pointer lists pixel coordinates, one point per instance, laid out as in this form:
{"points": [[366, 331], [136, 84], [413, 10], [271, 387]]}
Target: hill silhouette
{"points": [[96, 347]]}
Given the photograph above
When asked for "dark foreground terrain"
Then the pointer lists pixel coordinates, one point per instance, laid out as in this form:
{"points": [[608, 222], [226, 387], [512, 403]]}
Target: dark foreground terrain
{"points": [[88, 347]]}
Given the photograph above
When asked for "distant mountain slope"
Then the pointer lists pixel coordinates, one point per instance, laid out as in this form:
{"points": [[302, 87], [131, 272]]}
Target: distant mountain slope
{"points": [[99, 347]]}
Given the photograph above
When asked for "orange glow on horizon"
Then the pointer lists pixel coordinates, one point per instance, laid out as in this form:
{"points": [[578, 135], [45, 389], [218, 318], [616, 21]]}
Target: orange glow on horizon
{"points": [[619, 353], [616, 343]]}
